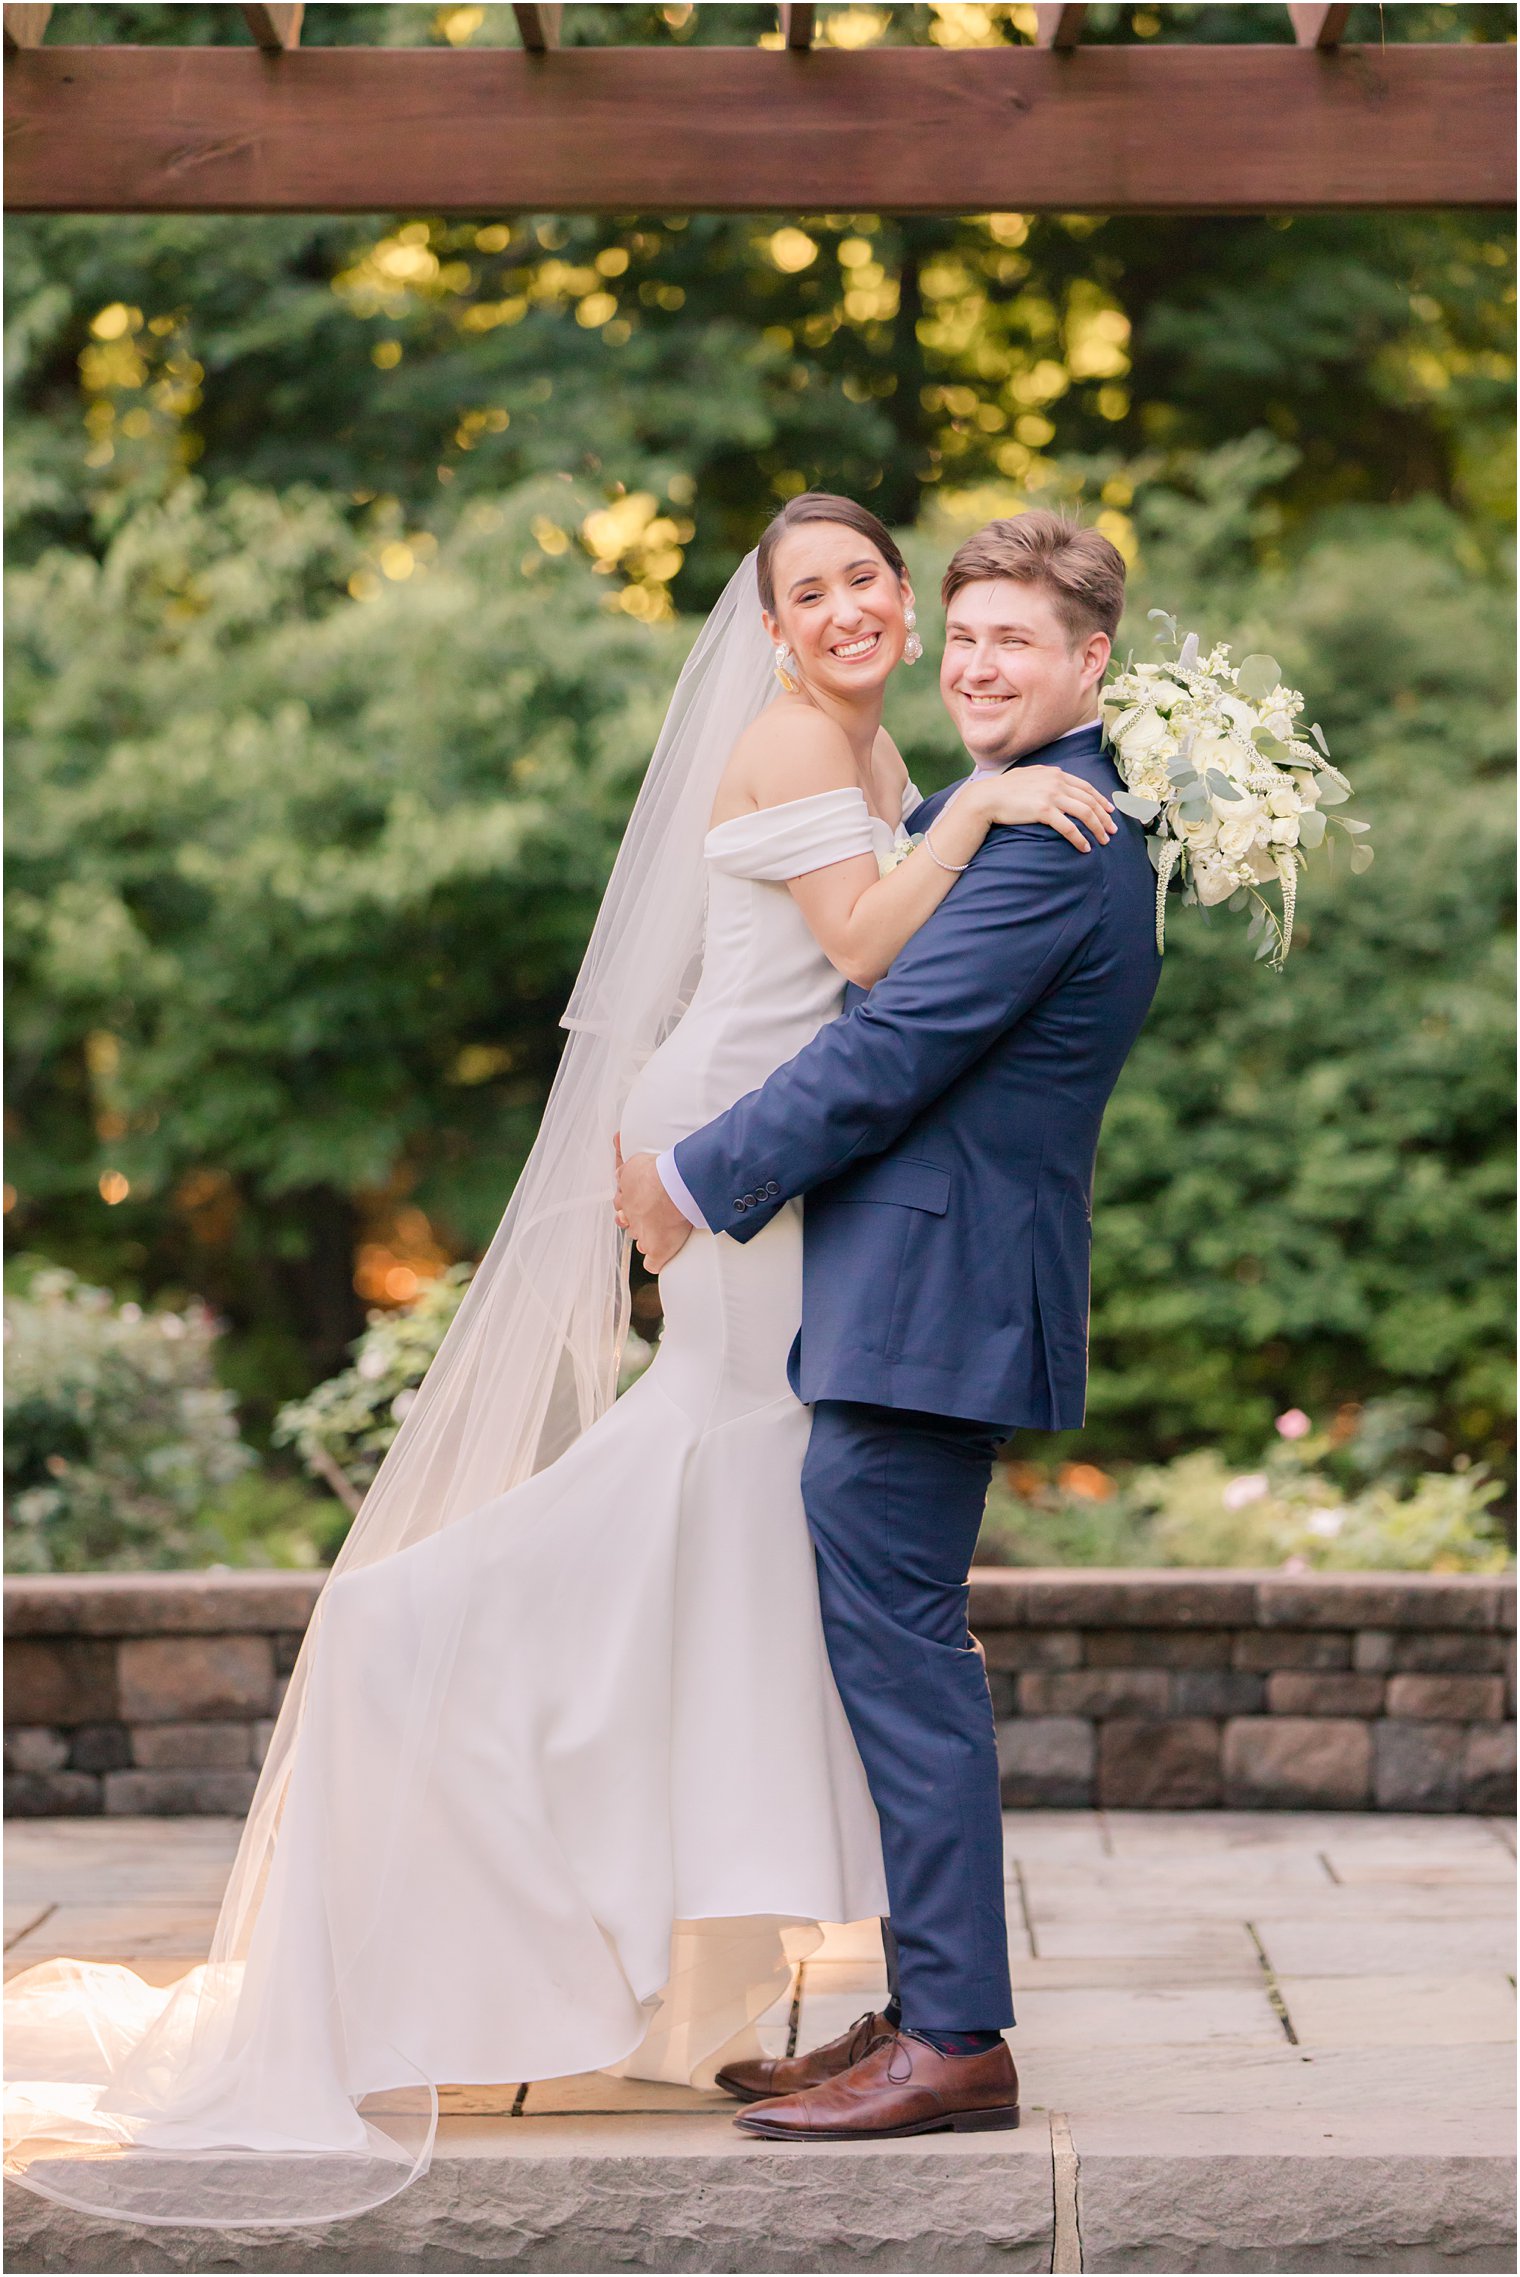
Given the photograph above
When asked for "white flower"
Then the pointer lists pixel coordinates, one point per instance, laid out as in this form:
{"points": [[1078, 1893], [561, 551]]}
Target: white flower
{"points": [[1143, 733], [1237, 835], [1285, 832], [1242, 1492], [1282, 802], [371, 1364], [1327, 1523], [1211, 882]]}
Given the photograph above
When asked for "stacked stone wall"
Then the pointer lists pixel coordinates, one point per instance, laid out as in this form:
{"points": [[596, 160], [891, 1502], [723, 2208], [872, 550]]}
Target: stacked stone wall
{"points": [[1190, 1691], [1131, 1690]]}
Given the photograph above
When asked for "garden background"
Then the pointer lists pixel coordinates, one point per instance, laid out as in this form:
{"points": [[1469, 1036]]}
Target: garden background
{"points": [[351, 563]]}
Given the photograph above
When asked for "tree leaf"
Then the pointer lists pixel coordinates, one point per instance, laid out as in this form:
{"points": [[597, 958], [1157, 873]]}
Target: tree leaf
{"points": [[1258, 675]]}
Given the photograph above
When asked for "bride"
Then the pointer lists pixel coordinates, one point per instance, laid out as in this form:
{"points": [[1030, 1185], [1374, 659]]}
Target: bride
{"points": [[562, 1782]]}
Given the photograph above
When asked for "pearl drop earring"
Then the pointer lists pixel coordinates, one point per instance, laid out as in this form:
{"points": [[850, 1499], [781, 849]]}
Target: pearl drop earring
{"points": [[786, 665], [913, 647]]}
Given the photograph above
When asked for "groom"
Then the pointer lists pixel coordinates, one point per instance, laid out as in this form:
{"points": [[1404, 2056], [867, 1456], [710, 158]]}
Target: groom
{"points": [[943, 1130]]}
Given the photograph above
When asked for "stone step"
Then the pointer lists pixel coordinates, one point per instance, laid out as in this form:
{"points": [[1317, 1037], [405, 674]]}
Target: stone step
{"points": [[663, 2192]]}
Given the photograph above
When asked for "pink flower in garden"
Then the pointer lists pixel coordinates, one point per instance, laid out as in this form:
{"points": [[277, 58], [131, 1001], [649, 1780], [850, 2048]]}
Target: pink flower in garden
{"points": [[1294, 1425]]}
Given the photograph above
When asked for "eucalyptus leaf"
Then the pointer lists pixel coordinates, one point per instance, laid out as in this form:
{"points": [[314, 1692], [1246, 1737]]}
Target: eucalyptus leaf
{"points": [[1222, 787], [1270, 746], [1311, 828], [1238, 900], [1258, 675], [1344, 822], [1332, 793], [1193, 809], [1361, 858], [1267, 946], [1189, 656], [1318, 734], [1143, 810], [1156, 847]]}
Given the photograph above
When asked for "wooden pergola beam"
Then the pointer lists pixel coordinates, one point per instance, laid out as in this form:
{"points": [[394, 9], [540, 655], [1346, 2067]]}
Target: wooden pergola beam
{"points": [[1316, 26], [274, 29], [797, 22], [1059, 27], [538, 27], [24, 26], [1124, 129]]}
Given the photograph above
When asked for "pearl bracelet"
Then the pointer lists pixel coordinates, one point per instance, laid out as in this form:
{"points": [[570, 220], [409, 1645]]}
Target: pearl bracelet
{"points": [[956, 869]]}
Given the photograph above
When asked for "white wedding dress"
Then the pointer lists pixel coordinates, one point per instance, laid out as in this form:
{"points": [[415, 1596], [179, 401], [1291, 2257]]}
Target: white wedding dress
{"points": [[611, 1833]]}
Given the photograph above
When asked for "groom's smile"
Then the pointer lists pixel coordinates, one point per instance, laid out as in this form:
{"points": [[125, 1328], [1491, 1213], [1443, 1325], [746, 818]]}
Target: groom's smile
{"points": [[1013, 676]]}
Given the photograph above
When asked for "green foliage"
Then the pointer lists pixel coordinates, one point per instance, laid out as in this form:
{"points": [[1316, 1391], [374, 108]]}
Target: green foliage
{"points": [[1310, 1506], [718, 363], [342, 1429], [299, 882], [117, 1433], [1304, 1183], [323, 729]]}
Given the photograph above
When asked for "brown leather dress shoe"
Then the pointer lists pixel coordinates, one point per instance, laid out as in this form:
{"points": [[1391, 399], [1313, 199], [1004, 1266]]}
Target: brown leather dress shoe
{"points": [[765, 2076], [900, 2086]]}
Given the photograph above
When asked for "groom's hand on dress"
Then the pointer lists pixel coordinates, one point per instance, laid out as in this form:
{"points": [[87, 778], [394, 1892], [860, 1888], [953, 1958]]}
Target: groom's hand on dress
{"points": [[658, 1228]]}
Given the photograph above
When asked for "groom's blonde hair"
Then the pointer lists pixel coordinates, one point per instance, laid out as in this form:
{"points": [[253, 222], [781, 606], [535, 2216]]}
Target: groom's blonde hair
{"points": [[1079, 568]]}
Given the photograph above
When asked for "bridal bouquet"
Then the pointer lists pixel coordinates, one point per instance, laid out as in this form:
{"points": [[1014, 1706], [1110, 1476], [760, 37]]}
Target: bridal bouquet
{"points": [[1211, 752]]}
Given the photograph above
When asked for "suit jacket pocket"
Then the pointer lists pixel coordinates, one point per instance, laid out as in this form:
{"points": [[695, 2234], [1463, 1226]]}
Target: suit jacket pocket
{"points": [[911, 1185]]}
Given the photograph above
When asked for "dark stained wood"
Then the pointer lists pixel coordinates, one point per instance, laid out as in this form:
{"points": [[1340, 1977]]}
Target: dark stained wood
{"points": [[538, 27], [1059, 27], [895, 129], [1318, 27], [24, 26], [797, 22], [275, 28]]}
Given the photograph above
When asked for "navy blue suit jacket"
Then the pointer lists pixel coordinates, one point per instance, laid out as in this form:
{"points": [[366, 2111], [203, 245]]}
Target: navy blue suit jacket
{"points": [[944, 1128]]}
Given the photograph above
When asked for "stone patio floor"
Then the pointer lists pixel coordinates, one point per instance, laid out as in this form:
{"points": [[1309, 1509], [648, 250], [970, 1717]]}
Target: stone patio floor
{"points": [[1246, 2040]]}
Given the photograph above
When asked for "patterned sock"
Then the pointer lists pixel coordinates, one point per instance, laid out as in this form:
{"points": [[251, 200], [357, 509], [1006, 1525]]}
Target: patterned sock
{"points": [[958, 2043]]}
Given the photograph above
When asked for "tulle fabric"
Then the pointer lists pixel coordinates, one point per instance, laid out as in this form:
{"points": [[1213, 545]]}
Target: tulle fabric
{"points": [[118, 2084]]}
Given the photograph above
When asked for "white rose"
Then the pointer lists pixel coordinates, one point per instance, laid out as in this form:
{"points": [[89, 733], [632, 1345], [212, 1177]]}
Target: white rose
{"points": [[1283, 802], [1236, 836], [1285, 832], [1143, 734], [1213, 883], [1308, 791]]}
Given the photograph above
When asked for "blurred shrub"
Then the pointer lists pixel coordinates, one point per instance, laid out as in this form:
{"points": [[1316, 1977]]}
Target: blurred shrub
{"points": [[1311, 1505], [341, 1431], [117, 1434]]}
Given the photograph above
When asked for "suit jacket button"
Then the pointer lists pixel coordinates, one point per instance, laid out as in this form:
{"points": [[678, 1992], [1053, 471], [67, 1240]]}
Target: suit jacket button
{"points": [[772, 1189]]}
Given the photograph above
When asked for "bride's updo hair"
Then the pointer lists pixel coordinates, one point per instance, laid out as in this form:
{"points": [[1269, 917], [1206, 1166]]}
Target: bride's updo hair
{"points": [[822, 506]]}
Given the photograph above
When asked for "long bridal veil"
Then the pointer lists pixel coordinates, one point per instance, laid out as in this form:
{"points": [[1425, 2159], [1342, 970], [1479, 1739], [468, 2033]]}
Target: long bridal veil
{"points": [[185, 2104]]}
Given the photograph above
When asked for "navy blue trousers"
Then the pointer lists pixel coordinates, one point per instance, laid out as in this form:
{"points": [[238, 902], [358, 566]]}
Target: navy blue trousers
{"points": [[894, 1504]]}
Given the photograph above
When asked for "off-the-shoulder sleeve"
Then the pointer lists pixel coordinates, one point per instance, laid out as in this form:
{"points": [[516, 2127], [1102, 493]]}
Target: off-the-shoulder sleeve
{"points": [[779, 842]]}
